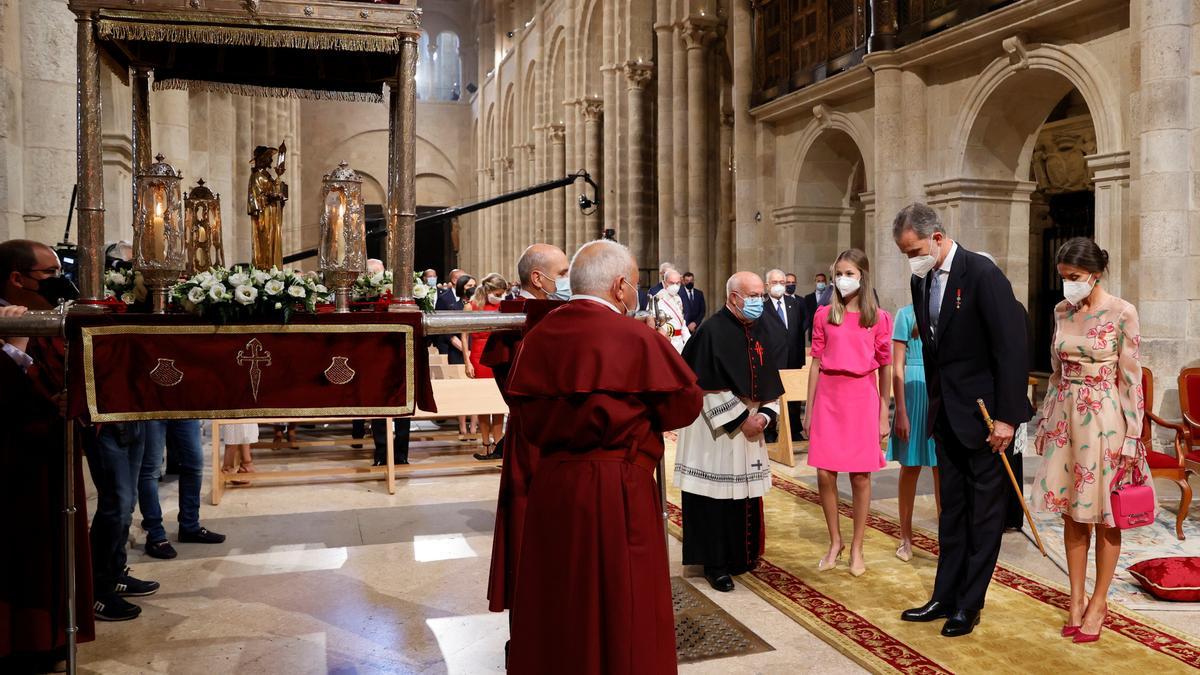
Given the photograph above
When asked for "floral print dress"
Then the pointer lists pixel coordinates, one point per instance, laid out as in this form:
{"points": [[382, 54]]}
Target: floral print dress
{"points": [[1093, 410]]}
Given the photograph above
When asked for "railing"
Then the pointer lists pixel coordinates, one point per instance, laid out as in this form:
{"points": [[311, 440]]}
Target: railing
{"points": [[800, 42], [50, 324]]}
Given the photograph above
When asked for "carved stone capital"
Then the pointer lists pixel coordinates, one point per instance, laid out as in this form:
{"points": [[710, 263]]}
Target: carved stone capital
{"points": [[726, 118], [638, 73], [698, 31], [592, 108], [557, 132], [821, 112]]}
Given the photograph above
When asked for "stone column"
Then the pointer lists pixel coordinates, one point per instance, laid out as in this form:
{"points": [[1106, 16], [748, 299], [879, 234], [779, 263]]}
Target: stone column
{"points": [[89, 167], [558, 214], [638, 188], [664, 33], [697, 33], [402, 177], [611, 200], [12, 132], [574, 162], [593, 144], [746, 188], [678, 253], [1166, 276], [1110, 177], [723, 263], [891, 271]]}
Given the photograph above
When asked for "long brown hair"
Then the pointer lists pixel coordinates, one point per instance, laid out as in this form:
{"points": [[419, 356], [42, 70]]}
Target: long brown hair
{"points": [[867, 309], [487, 285]]}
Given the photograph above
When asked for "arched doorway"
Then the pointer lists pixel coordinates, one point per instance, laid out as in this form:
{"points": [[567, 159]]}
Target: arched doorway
{"points": [[827, 214]]}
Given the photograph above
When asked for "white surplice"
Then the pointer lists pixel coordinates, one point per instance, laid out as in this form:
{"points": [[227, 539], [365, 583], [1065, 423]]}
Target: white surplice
{"points": [[711, 462]]}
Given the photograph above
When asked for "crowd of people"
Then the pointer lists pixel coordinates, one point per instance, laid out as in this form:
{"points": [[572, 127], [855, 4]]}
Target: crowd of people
{"points": [[581, 443]]}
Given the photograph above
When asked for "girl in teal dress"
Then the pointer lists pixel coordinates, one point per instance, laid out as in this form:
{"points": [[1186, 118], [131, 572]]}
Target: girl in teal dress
{"points": [[910, 443]]}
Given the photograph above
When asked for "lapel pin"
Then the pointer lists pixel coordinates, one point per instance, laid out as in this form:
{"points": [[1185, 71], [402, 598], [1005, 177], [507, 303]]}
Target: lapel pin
{"points": [[958, 298]]}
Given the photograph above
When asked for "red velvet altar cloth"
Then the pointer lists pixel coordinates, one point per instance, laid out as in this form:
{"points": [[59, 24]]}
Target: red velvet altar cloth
{"points": [[127, 367]]}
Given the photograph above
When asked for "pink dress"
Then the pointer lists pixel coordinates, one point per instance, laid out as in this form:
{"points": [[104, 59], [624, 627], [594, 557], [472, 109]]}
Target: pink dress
{"points": [[844, 425]]}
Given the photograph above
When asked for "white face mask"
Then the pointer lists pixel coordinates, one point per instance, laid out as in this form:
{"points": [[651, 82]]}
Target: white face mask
{"points": [[628, 311], [1076, 291], [495, 299], [922, 264], [777, 291], [673, 289], [847, 285]]}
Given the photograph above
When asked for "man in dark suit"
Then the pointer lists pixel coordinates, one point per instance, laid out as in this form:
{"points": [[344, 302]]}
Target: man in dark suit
{"points": [[975, 347], [693, 302], [822, 294], [786, 323]]}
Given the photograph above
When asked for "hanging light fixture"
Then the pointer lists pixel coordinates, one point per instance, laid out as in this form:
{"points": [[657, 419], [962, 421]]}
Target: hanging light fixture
{"points": [[343, 253]]}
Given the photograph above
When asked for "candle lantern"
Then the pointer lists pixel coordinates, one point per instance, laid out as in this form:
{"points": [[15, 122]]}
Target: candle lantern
{"points": [[343, 253], [159, 238], [202, 211]]}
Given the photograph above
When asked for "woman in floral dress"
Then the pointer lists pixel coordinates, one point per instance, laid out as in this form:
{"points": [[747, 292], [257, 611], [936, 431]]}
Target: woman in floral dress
{"points": [[1091, 422]]}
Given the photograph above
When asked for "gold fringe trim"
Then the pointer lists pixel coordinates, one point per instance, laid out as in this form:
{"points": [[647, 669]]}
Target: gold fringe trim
{"points": [[268, 92], [111, 29]]}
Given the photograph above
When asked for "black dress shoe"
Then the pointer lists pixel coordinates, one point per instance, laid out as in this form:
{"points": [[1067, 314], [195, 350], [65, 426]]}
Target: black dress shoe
{"points": [[719, 579], [160, 549], [930, 611], [961, 622], [200, 536]]}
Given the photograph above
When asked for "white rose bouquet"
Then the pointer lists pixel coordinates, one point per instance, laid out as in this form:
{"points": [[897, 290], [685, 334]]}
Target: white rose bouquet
{"points": [[126, 285], [424, 296], [371, 287], [246, 293]]}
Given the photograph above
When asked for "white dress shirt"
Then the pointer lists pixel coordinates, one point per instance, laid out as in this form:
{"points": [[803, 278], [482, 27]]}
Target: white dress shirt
{"points": [[591, 298], [781, 310], [943, 273]]}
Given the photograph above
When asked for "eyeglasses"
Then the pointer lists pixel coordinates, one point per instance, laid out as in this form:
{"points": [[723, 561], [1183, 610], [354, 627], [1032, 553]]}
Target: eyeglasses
{"points": [[52, 271]]}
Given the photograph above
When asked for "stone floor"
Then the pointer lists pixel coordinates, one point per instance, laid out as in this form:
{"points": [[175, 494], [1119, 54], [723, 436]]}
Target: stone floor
{"points": [[343, 578]]}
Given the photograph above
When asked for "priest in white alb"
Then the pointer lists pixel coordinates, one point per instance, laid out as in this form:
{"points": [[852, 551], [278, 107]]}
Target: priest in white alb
{"points": [[670, 304], [721, 464]]}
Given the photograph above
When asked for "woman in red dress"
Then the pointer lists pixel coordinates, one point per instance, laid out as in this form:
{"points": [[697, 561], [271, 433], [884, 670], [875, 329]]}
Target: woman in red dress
{"points": [[487, 297]]}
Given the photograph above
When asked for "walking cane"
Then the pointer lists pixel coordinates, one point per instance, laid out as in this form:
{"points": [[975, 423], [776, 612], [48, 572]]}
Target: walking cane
{"points": [[1012, 477], [662, 493]]}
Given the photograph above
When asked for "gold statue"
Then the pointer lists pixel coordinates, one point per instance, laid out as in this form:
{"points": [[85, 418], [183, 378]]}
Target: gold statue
{"points": [[267, 195]]}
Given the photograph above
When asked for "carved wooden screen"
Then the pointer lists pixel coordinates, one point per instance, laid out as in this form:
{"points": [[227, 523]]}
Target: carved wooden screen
{"points": [[798, 42], [920, 18]]}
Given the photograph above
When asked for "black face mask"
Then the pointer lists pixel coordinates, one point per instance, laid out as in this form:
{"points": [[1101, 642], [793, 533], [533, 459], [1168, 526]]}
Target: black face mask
{"points": [[55, 289], [791, 289], [690, 285]]}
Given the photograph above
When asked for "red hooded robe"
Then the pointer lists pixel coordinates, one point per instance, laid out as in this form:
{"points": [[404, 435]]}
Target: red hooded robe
{"points": [[594, 391]]}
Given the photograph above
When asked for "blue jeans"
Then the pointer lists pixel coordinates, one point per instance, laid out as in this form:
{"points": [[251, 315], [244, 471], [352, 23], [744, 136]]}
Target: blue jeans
{"points": [[183, 439], [114, 454]]}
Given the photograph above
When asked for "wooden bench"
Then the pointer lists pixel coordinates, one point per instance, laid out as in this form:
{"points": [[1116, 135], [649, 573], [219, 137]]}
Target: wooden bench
{"points": [[795, 389], [454, 397]]}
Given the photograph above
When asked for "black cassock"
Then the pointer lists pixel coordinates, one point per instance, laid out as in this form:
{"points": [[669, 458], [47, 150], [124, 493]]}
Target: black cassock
{"points": [[726, 354]]}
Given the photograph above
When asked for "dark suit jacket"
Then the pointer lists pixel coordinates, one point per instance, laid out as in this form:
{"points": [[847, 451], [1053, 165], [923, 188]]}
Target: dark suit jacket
{"points": [[980, 349], [810, 312], [693, 308], [792, 336]]}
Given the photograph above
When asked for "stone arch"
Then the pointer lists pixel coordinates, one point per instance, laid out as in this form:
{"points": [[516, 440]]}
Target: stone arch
{"points": [[435, 189], [826, 211], [985, 197], [557, 86], [825, 121], [592, 46], [1055, 66]]}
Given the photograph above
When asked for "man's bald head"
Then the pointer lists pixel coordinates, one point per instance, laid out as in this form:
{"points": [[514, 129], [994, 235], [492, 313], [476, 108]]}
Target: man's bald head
{"points": [[539, 267], [374, 266], [672, 276], [454, 275], [605, 269], [740, 286]]}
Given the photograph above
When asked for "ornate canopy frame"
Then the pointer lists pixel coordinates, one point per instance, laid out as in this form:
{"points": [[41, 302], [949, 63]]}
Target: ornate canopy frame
{"points": [[322, 49]]}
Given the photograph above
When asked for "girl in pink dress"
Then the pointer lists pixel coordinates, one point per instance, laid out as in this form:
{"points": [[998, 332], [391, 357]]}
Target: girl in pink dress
{"points": [[849, 387]]}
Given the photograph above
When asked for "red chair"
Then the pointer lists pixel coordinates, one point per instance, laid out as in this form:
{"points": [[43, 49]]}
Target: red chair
{"points": [[1172, 467], [1189, 403]]}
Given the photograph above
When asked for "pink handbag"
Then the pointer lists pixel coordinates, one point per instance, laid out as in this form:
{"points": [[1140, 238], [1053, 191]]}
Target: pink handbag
{"points": [[1132, 503]]}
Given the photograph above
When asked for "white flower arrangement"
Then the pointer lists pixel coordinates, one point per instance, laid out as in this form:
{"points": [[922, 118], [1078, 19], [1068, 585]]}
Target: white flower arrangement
{"points": [[126, 285], [371, 287], [243, 293]]}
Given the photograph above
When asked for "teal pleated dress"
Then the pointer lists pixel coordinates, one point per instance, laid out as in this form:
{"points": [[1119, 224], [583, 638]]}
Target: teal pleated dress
{"points": [[920, 449]]}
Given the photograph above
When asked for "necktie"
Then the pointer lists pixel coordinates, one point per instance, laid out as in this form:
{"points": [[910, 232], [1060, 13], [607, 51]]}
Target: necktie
{"points": [[781, 311], [935, 300]]}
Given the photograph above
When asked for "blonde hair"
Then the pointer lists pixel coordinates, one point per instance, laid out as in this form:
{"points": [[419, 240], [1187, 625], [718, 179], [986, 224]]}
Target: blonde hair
{"points": [[867, 308], [490, 284]]}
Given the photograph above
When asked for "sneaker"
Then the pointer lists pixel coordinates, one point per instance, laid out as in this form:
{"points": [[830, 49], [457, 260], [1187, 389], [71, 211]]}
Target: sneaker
{"points": [[201, 536], [115, 608], [128, 587], [160, 549]]}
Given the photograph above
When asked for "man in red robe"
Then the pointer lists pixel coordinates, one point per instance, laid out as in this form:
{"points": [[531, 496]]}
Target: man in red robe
{"points": [[593, 591], [33, 606], [538, 268]]}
